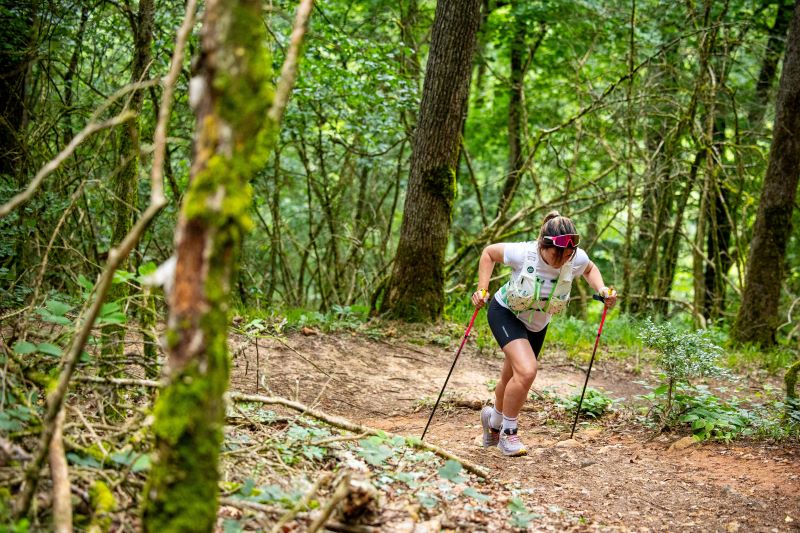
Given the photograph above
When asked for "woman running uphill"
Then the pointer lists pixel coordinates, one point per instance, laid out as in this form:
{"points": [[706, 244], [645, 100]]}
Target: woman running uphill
{"points": [[542, 273]]}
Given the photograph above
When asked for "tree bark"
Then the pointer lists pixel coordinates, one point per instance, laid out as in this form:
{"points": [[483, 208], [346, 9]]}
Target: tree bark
{"points": [[516, 102], [757, 319], [416, 290], [16, 32], [769, 65], [232, 100]]}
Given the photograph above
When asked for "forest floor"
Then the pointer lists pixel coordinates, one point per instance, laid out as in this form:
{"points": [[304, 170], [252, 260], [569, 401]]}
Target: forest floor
{"points": [[281, 468], [613, 477]]}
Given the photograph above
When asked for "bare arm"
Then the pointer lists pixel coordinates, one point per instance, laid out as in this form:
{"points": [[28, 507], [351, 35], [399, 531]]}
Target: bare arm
{"points": [[594, 278], [491, 254]]}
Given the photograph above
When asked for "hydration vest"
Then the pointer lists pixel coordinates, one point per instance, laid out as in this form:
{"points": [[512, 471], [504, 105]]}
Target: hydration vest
{"points": [[524, 292]]}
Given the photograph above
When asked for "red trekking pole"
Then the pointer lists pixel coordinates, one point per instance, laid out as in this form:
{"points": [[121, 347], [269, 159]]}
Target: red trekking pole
{"points": [[458, 352], [591, 361]]}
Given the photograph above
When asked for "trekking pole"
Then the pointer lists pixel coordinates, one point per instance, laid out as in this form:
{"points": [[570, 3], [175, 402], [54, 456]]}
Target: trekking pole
{"points": [[458, 352], [591, 361]]}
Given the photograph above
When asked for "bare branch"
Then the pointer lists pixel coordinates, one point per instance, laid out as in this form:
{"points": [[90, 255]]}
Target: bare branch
{"points": [[92, 127], [115, 256]]}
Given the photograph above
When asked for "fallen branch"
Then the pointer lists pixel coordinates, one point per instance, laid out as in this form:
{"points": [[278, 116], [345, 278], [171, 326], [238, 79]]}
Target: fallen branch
{"points": [[286, 518], [244, 504], [59, 473], [341, 492], [313, 413], [358, 428]]}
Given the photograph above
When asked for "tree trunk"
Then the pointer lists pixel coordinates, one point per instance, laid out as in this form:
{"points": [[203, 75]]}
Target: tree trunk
{"points": [[16, 32], [757, 320], [516, 102], [233, 140], [416, 290], [124, 183], [769, 65], [718, 234]]}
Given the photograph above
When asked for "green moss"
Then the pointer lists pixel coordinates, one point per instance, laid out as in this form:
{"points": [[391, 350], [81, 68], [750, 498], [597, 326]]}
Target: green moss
{"points": [[233, 143], [103, 504], [441, 181]]}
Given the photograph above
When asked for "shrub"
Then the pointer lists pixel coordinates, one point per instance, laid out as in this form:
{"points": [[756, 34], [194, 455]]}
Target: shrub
{"points": [[681, 356], [595, 403]]}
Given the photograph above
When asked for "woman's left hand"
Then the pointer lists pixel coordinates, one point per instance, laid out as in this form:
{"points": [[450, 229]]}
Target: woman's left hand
{"points": [[609, 296]]}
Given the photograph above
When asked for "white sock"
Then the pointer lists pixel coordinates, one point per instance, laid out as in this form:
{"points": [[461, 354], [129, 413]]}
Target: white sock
{"points": [[509, 424], [496, 420]]}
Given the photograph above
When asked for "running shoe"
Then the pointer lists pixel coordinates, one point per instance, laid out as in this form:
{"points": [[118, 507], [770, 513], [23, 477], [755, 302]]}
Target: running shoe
{"points": [[491, 436], [510, 444]]}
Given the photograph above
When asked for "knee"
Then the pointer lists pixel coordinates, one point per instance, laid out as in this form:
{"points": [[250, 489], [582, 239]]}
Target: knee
{"points": [[527, 375]]}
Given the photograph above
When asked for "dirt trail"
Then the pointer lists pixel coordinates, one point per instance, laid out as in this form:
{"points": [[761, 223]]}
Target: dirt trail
{"points": [[615, 479]]}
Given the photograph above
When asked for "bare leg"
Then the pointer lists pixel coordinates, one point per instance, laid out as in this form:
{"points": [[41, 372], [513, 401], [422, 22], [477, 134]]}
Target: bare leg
{"points": [[519, 371], [500, 388]]}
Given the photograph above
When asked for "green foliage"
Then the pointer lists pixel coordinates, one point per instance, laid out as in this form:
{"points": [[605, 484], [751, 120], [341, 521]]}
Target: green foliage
{"points": [[451, 471], [521, 517], [682, 355], [595, 403], [374, 451]]}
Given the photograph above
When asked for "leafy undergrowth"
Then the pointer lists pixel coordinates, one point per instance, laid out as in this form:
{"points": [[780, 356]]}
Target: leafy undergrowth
{"points": [[280, 467], [276, 468]]}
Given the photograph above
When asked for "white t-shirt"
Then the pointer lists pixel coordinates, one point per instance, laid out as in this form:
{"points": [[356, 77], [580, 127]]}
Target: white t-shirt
{"points": [[514, 256]]}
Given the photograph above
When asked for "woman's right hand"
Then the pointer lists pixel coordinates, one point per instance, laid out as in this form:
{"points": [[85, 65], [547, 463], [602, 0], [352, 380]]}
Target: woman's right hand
{"points": [[479, 297]]}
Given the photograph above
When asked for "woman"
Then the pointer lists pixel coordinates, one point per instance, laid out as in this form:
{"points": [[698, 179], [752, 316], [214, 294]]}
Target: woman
{"points": [[542, 273]]}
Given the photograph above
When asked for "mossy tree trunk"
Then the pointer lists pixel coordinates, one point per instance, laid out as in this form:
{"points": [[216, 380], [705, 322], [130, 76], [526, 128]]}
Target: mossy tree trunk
{"points": [[416, 289], [233, 138], [124, 183], [758, 319]]}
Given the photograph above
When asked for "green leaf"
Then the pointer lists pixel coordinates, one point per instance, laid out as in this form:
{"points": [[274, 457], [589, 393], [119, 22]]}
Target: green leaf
{"points": [[122, 276], [80, 460], [516, 505], [47, 316], [427, 500], [85, 283], [109, 308], [142, 463], [57, 308], [112, 319], [472, 493], [451, 471], [520, 516], [145, 269], [662, 389], [24, 348], [49, 349], [230, 525], [373, 451], [247, 488], [8, 423]]}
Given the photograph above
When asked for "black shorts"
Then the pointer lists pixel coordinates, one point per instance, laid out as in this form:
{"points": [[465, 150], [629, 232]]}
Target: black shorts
{"points": [[506, 327]]}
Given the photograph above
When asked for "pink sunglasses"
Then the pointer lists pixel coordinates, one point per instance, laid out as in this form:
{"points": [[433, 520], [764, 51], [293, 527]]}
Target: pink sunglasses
{"points": [[569, 240]]}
